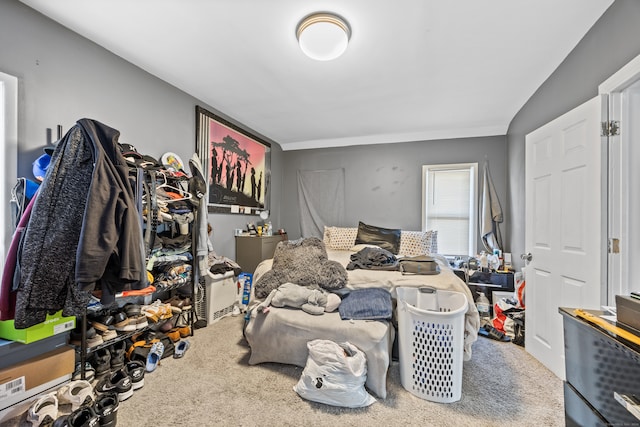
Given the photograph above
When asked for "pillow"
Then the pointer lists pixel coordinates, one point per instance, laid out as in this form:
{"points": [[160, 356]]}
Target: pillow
{"points": [[339, 238], [386, 238], [413, 243]]}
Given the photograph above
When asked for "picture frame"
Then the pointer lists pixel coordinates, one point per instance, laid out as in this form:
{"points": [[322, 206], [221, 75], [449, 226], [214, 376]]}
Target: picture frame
{"points": [[236, 165]]}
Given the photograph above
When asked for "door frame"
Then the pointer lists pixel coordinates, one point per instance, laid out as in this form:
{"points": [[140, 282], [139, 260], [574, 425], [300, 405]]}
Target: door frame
{"points": [[616, 182]]}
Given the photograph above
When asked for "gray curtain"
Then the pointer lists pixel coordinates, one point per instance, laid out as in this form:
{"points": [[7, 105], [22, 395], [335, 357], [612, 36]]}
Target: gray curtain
{"points": [[490, 214], [321, 200]]}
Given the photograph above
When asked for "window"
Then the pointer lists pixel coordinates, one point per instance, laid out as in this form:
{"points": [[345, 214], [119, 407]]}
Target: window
{"points": [[8, 154], [449, 205]]}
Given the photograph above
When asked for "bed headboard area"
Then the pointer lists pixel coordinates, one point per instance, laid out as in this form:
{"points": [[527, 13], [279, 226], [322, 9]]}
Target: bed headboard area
{"points": [[411, 243]]}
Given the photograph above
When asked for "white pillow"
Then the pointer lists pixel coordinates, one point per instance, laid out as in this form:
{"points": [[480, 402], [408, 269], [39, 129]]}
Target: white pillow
{"points": [[413, 243], [339, 238]]}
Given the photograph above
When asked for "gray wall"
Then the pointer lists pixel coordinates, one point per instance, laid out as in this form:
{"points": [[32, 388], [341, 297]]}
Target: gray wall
{"points": [[612, 42], [383, 182], [64, 77]]}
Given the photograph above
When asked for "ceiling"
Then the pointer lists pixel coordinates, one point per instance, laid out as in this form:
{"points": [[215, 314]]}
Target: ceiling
{"points": [[414, 69]]}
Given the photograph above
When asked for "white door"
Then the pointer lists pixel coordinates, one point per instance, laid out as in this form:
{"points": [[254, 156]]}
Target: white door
{"points": [[563, 205]]}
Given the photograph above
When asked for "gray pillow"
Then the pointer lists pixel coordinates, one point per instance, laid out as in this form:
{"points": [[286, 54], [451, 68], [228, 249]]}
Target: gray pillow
{"points": [[386, 238]]}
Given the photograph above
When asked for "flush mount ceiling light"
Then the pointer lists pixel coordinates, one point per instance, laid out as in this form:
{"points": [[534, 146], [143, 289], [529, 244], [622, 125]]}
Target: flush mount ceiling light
{"points": [[323, 36]]}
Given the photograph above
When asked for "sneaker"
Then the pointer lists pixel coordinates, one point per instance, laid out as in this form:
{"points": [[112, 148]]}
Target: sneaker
{"points": [[108, 335], [117, 351], [84, 416], [106, 408], [78, 393], [92, 338], [135, 369], [44, 410], [181, 348], [124, 323], [102, 323], [141, 321], [118, 382], [102, 361], [155, 354]]}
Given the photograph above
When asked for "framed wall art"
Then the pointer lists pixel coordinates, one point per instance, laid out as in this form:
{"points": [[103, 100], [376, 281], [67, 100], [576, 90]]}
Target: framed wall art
{"points": [[237, 165]]}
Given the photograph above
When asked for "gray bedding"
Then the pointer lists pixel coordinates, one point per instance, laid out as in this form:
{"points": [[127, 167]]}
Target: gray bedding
{"points": [[281, 335]]}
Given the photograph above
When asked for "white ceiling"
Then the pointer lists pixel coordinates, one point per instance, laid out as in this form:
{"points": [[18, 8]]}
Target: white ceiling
{"points": [[414, 69]]}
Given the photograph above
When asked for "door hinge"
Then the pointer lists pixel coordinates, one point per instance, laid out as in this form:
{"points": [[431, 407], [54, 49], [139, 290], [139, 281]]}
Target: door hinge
{"points": [[613, 246], [610, 128]]}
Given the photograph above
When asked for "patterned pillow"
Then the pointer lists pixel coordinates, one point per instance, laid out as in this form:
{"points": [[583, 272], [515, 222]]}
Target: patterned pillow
{"points": [[339, 238], [413, 243]]}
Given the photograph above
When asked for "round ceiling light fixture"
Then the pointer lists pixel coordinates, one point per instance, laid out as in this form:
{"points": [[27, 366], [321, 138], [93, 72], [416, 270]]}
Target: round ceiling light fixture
{"points": [[323, 36]]}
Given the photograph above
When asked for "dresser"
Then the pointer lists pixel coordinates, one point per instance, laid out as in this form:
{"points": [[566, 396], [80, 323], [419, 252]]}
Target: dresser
{"points": [[251, 250], [597, 363]]}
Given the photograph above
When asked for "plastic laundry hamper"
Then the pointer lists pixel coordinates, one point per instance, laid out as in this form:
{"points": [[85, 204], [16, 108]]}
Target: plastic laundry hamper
{"points": [[431, 342]]}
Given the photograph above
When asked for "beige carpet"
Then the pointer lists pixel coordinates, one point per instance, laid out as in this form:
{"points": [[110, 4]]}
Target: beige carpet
{"points": [[213, 385]]}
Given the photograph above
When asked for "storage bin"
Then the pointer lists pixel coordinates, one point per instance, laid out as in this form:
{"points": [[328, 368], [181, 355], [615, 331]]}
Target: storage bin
{"points": [[431, 342]]}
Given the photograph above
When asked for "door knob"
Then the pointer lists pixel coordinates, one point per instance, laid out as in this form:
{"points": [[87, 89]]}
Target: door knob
{"points": [[526, 257]]}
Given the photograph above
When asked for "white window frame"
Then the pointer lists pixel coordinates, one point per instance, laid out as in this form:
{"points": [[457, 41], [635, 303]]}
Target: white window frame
{"points": [[473, 199], [8, 155]]}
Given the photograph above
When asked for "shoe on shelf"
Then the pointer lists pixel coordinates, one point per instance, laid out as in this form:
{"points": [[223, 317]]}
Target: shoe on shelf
{"points": [[118, 351], [108, 335], [89, 372], [181, 348], [44, 410], [106, 408], [154, 356], [127, 324], [102, 323], [185, 331], [92, 338], [174, 334], [131, 310], [102, 361], [78, 393], [118, 382], [135, 369], [141, 321]]}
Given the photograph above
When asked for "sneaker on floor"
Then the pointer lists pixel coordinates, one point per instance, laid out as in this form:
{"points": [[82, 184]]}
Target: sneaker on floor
{"points": [[155, 354], [135, 369], [78, 393], [106, 408], [181, 348], [83, 417], [44, 410], [118, 382]]}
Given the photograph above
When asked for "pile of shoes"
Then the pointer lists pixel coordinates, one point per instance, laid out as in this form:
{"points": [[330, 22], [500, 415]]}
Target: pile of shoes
{"points": [[86, 407]]}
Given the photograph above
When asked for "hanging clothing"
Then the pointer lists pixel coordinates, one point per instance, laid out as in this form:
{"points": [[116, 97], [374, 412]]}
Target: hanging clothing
{"points": [[11, 271], [490, 214], [84, 228]]}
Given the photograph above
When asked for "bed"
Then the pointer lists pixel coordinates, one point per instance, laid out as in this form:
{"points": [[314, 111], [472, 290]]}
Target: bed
{"points": [[281, 335]]}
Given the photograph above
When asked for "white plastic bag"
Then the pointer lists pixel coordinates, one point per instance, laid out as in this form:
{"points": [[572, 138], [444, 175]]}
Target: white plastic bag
{"points": [[334, 374]]}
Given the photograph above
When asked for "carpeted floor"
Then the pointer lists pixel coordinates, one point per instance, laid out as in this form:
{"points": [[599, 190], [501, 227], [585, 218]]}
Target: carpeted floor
{"points": [[213, 385]]}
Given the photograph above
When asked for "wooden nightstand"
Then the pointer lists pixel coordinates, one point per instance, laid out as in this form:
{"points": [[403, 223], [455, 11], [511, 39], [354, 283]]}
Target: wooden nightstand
{"points": [[251, 250]]}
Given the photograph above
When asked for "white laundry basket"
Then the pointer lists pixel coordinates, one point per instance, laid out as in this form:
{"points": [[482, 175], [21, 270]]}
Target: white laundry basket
{"points": [[431, 342]]}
